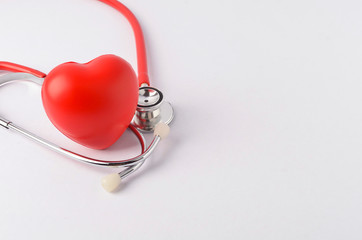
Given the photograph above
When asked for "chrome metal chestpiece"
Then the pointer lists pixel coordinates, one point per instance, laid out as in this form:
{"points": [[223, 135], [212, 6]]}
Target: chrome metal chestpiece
{"points": [[151, 109]]}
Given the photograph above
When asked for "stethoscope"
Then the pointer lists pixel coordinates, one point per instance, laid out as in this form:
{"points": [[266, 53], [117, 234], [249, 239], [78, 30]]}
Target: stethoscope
{"points": [[150, 113]]}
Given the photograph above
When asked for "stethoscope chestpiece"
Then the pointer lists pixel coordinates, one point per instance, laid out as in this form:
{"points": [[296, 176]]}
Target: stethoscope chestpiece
{"points": [[151, 109]]}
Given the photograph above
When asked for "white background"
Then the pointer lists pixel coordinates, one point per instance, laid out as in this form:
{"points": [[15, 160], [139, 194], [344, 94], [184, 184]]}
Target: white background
{"points": [[267, 139]]}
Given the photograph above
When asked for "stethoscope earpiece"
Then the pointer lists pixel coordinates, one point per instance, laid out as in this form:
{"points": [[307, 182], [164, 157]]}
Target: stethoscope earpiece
{"points": [[111, 182]]}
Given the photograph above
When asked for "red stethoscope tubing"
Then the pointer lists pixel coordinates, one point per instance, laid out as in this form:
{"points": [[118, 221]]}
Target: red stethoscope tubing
{"points": [[13, 67], [139, 39], [140, 42]]}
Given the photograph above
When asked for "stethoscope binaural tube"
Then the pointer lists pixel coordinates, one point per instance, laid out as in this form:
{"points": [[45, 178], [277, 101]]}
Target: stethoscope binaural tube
{"points": [[110, 182]]}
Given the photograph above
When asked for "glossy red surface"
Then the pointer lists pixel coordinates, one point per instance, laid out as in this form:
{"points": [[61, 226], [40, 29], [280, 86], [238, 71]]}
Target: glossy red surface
{"points": [[91, 103]]}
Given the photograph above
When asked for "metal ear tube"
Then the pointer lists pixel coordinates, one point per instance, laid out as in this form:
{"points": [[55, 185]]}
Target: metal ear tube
{"points": [[4, 123], [110, 182]]}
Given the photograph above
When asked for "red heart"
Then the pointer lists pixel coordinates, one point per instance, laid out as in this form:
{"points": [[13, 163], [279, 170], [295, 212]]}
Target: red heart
{"points": [[91, 103]]}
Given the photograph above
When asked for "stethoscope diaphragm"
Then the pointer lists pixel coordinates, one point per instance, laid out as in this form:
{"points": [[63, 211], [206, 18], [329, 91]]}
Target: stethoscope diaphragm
{"points": [[151, 109]]}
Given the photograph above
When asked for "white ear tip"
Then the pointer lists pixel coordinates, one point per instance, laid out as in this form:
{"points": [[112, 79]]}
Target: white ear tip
{"points": [[111, 182], [162, 130]]}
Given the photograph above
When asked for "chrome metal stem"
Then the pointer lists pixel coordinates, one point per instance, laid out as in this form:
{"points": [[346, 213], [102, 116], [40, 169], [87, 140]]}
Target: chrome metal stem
{"points": [[11, 77], [4, 123], [125, 173], [119, 163]]}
